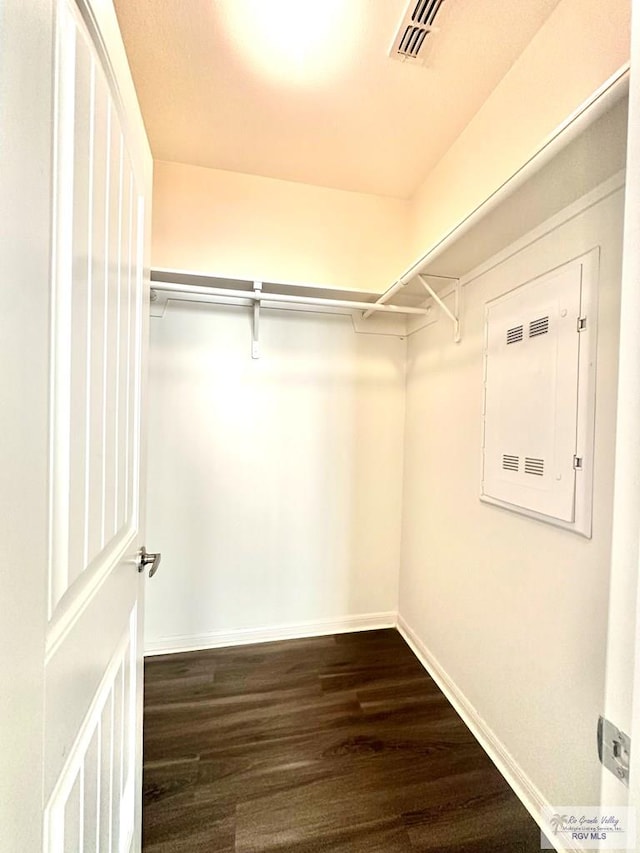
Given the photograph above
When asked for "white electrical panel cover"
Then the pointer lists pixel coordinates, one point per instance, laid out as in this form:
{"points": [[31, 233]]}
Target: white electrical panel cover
{"points": [[531, 395]]}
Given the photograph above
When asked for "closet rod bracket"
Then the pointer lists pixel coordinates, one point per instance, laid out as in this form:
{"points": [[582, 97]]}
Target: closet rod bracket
{"points": [[454, 315], [255, 336]]}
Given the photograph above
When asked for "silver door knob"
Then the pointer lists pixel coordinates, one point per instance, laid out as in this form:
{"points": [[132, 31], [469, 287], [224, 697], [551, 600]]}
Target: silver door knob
{"points": [[145, 560]]}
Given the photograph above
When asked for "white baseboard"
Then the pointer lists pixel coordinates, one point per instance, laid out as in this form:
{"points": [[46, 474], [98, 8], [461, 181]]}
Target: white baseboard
{"points": [[529, 795], [220, 639]]}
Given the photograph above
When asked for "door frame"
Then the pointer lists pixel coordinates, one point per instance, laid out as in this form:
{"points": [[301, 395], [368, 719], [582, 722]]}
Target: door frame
{"points": [[622, 687]]}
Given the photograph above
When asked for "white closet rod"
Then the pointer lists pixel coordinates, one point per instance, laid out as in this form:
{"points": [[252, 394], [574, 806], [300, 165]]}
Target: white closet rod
{"points": [[261, 297]]}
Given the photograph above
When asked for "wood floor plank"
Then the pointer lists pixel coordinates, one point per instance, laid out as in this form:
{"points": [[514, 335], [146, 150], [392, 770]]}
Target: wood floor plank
{"points": [[337, 743]]}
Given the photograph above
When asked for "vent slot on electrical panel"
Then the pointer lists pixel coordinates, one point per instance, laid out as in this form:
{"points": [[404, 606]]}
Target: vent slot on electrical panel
{"points": [[510, 463], [538, 327], [534, 466], [514, 335], [417, 23]]}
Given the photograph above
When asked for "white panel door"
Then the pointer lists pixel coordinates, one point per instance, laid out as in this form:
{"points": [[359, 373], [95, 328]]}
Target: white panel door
{"points": [[74, 144]]}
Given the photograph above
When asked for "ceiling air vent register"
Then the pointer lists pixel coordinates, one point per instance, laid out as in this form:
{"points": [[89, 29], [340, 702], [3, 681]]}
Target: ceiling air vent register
{"points": [[415, 31]]}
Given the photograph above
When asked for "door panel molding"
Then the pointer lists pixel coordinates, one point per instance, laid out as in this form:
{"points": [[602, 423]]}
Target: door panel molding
{"points": [[94, 793], [97, 286]]}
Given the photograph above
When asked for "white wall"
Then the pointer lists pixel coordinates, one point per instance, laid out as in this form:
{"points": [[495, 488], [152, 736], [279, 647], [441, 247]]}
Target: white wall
{"points": [[514, 611], [274, 485], [244, 226]]}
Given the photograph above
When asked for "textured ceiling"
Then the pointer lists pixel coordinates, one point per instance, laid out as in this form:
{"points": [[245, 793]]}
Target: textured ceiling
{"points": [[280, 89]]}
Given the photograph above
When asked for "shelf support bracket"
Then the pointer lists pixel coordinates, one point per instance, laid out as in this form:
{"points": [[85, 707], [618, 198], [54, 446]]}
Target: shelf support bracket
{"points": [[255, 335], [158, 303], [454, 315]]}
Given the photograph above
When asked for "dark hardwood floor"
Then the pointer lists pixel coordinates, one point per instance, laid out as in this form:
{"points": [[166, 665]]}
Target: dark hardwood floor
{"points": [[339, 743]]}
